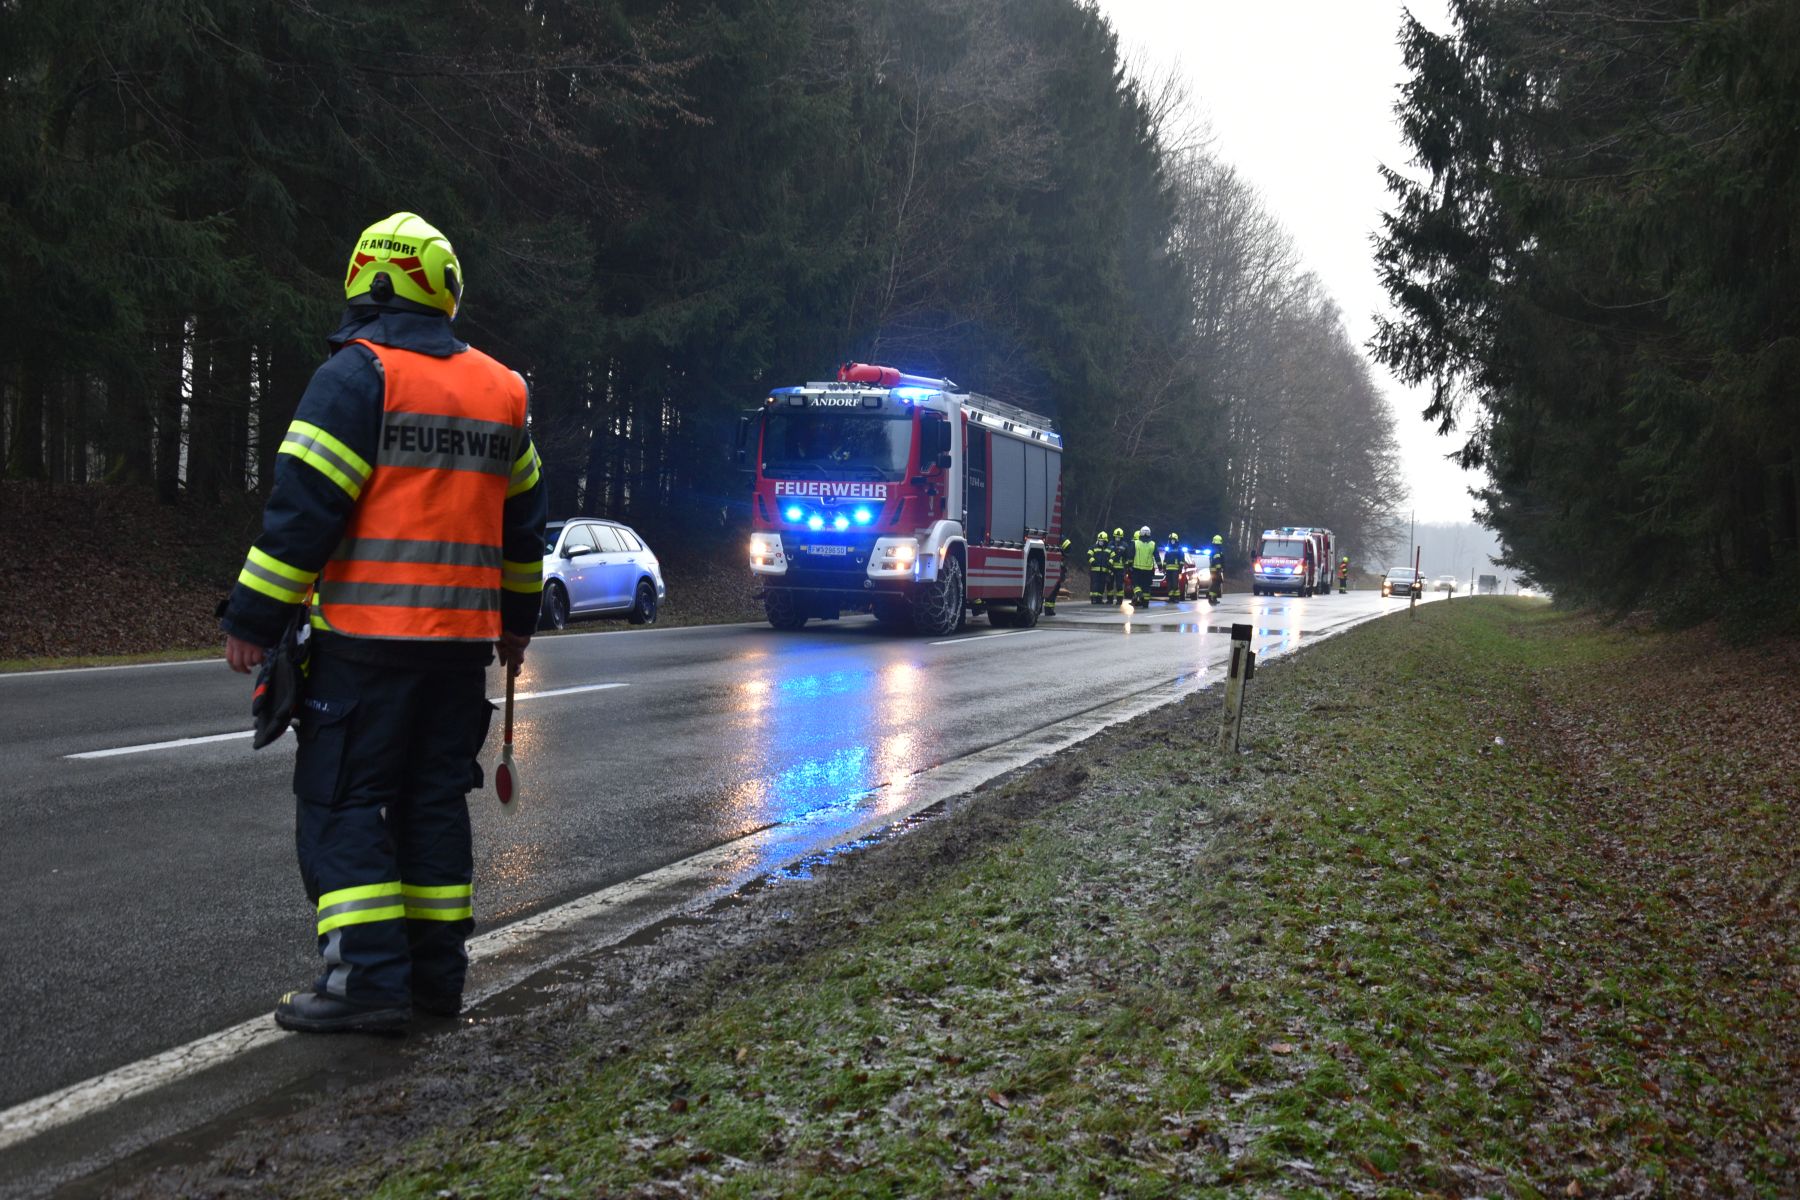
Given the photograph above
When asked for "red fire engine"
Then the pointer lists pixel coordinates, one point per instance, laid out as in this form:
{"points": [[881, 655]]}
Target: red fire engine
{"points": [[903, 496], [1294, 558]]}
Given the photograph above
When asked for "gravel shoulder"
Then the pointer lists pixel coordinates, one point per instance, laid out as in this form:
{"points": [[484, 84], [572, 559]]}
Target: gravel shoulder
{"points": [[1496, 901]]}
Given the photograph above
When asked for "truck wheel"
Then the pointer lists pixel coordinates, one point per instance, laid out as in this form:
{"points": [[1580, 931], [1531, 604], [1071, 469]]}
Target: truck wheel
{"points": [[1032, 606], [779, 606], [938, 607], [555, 613]]}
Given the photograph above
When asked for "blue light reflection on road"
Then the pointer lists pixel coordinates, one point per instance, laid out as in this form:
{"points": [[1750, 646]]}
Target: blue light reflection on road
{"points": [[826, 742]]}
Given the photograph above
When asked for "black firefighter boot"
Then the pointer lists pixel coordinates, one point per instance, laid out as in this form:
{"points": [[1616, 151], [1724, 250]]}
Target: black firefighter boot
{"points": [[309, 1012]]}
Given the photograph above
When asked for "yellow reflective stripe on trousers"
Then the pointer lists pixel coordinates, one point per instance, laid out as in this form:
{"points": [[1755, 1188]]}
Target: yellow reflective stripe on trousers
{"points": [[360, 905], [326, 455], [267, 574], [522, 576], [525, 472], [448, 902]]}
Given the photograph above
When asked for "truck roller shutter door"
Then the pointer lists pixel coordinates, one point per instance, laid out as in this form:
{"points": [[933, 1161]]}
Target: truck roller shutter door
{"points": [[1006, 486], [1037, 511]]}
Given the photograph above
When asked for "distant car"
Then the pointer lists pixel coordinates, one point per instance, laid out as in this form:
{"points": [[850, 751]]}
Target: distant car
{"points": [[1403, 581], [1445, 583], [598, 568]]}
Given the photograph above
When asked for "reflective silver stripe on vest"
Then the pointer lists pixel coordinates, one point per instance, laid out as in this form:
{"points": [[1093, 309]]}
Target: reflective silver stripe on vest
{"points": [[423, 550], [410, 439], [409, 595]]}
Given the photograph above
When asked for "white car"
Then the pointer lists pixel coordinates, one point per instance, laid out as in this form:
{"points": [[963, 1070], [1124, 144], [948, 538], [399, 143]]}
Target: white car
{"points": [[598, 568], [1445, 583]]}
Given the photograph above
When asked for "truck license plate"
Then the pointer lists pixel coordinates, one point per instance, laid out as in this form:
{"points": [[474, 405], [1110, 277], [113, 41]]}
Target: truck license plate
{"points": [[828, 551]]}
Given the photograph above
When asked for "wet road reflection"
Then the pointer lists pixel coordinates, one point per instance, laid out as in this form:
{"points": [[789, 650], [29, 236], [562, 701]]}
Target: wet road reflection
{"points": [[778, 740]]}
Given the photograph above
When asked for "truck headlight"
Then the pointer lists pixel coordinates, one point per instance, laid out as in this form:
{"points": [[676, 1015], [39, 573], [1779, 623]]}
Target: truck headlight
{"points": [[897, 556], [765, 548]]}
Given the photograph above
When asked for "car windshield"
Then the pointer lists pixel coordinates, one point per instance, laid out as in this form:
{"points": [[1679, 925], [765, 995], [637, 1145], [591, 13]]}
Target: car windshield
{"points": [[1283, 548], [1401, 573], [552, 531], [852, 445]]}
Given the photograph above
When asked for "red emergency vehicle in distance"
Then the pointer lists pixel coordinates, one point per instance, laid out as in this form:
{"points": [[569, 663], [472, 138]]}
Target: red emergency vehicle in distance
{"points": [[1294, 558], [903, 496]]}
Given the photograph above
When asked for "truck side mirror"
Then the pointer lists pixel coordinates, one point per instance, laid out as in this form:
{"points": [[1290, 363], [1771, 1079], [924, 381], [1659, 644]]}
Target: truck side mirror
{"points": [[942, 461], [743, 436]]}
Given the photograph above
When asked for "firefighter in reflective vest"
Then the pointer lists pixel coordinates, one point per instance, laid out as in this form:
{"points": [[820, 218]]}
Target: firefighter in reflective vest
{"points": [[1344, 575], [1099, 567], [1062, 573], [1170, 555], [1143, 566], [408, 503], [1215, 587], [1121, 558]]}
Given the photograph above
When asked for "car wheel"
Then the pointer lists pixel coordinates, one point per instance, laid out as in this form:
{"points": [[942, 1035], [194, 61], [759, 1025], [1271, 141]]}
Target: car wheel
{"points": [[938, 607], [779, 607], [644, 611], [555, 611]]}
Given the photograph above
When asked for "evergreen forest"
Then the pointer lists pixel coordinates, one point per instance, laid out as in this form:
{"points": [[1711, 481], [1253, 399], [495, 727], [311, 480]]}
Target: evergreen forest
{"points": [[663, 209], [1595, 269]]}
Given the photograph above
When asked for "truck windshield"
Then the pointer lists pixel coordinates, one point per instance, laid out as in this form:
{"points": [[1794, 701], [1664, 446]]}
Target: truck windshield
{"points": [[1283, 548], [845, 444]]}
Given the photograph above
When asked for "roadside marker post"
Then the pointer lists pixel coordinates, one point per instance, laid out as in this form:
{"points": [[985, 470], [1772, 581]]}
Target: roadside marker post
{"points": [[1242, 671], [1417, 589]]}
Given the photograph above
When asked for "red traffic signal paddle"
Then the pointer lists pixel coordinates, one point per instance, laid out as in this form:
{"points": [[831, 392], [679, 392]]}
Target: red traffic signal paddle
{"points": [[506, 778]]}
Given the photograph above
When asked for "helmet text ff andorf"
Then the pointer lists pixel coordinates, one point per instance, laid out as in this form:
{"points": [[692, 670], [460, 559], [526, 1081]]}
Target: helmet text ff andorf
{"points": [[404, 257]]}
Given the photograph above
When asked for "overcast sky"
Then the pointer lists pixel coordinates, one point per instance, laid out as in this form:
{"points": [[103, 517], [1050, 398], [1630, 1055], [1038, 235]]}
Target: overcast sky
{"points": [[1299, 96]]}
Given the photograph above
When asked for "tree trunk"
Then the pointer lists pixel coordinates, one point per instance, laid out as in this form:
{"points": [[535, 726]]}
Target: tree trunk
{"points": [[25, 443], [232, 358], [291, 364], [206, 436], [125, 435], [167, 384]]}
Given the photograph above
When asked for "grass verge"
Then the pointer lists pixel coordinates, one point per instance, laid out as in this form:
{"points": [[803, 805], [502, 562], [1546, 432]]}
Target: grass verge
{"points": [[1477, 913]]}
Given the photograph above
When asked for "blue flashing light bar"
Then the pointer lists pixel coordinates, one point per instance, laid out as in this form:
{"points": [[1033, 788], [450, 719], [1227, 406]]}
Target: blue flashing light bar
{"points": [[840, 524], [794, 512], [863, 516], [910, 394], [815, 522]]}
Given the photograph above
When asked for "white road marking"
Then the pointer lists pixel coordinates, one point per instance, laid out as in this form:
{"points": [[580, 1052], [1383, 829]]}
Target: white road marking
{"points": [[227, 737], [190, 741], [568, 691], [982, 637], [216, 661]]}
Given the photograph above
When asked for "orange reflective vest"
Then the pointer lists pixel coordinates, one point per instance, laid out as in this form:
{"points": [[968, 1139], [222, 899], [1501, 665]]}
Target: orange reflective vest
{"points": [[421, 556]]}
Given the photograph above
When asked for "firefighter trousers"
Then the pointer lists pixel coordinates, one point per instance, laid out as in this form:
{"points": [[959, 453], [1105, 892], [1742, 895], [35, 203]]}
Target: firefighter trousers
{"points": [[386, 759], [1141, 580]]}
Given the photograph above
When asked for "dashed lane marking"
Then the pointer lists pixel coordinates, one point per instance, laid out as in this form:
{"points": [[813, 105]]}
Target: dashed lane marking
{"points": [[228, 737], [981, 637]]}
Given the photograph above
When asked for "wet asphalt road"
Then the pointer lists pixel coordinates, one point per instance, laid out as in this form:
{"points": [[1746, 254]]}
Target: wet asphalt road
{"points": [[151, 898]]}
